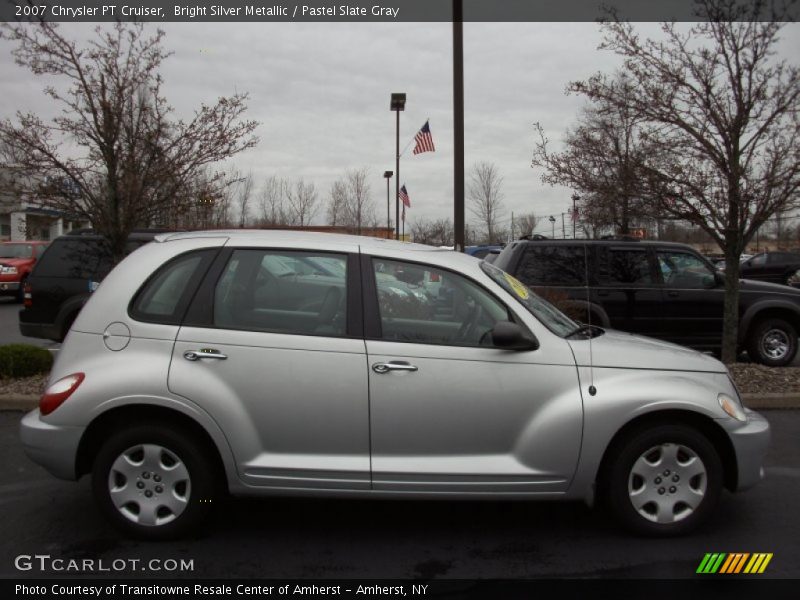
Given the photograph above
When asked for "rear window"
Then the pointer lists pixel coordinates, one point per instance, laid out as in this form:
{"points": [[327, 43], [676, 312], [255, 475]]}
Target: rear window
{"points": [[77, 258], [16, 250], [563, 265]]}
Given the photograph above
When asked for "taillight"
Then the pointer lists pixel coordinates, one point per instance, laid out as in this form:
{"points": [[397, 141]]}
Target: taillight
{"points": [[434, 277], [27, 295], [59, 391]]}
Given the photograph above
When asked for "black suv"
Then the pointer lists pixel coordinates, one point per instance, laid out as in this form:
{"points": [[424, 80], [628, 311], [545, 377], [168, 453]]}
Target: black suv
{"points": [[659, 289], [776, 267], [67, 273]]}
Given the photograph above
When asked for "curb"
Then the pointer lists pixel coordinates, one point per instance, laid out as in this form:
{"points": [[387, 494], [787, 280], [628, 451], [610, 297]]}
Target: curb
{"points": [[754, 401]]}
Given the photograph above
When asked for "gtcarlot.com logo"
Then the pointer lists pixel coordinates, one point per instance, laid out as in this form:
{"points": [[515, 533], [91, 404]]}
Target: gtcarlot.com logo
{"points": [[734, 563], [46, 563]]}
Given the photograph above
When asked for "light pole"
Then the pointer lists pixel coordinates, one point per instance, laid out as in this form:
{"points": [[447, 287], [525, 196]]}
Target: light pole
{"points": [[552, 220], [398, 103], [459, 225], [388, 176], [575, 199]]}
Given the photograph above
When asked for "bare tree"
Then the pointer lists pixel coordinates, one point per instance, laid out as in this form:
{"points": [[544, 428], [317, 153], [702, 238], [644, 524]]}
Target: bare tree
{"points": [[336, 203], [434, 232], [301, 200], [526, 224], [113, 156], [271, 202], [242, 193], [359, 208], [486, 196], [724, 114], [603, 159]]}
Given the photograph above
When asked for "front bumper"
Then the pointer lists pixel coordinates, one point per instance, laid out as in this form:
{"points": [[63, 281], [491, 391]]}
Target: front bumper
{"points": [[750, 443], [54, 447]]}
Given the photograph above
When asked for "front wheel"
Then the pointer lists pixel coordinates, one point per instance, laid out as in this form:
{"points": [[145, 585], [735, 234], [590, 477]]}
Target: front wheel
{"points": [[664, 480], [772, 342], [154, 482]]}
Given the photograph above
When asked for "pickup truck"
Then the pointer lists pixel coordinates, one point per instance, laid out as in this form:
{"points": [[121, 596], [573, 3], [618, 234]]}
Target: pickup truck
{"points": [[16, 263]]}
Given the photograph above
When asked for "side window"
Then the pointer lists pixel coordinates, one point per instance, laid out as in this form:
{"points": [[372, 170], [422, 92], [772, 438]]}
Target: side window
{"points": [[553, 265], [164, 297], [283, 292], [758, 260], [426, 305], [684, 270], [626, 267], [73, 258]]}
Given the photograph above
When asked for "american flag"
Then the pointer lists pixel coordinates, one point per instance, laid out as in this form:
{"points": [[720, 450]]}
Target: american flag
{"points": [[404, 197], [424, 140], [575, 213], [403, 216]]}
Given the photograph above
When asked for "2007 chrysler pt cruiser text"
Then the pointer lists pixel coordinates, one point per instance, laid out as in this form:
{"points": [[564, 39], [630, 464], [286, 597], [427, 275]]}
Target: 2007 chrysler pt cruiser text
{"points": [[295, 363]]}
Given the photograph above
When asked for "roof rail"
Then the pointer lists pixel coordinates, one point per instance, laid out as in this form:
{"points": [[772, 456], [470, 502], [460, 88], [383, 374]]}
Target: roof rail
{"points": [[621, 238], [534, 236]]}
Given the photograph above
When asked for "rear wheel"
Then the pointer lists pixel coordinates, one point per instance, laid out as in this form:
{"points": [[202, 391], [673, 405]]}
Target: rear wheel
{"points": [[154, 482], [663, 480], [772, 342]]}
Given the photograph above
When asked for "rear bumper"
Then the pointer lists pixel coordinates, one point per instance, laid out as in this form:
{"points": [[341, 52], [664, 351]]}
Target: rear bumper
{"points": [[54, 447], [750, 444], [8, 288], [47, 331]]}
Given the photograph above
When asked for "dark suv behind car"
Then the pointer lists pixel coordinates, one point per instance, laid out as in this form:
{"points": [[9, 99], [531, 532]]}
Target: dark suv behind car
{"points": [[66, 274], [659, 289]]}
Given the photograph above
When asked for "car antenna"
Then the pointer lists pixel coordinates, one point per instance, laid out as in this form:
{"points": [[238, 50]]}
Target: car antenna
{"points": [[592, 389]]}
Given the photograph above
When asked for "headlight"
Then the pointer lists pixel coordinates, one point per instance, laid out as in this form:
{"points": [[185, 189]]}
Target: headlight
{"points": [[732, 407]]}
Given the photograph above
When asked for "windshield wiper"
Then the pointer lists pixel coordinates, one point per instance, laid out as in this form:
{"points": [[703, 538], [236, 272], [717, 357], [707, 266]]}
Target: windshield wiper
{"points": [[586, 329]]}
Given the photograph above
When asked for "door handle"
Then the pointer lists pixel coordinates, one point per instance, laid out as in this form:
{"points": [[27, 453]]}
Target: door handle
{"points": [[672, 293], [394, 365], [204, 353], [602, 292]]}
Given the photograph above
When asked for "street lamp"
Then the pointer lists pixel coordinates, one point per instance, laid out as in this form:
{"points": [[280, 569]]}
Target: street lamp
{"points": [[388, 176], [552, 220], [575, 199], [397, 104]]}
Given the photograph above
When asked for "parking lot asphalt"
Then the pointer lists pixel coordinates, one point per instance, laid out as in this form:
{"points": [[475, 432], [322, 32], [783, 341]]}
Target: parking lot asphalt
{"points": [[323, 538]]}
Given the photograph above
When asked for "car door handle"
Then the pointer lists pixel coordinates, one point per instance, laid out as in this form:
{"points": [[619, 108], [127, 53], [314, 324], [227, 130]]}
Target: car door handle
{"points": [[602, 293], [672, 293], [204, 353], [395, 365]]}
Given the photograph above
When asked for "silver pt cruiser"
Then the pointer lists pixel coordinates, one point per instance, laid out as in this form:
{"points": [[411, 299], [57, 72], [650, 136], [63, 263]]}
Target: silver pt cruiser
{"points": [[265, 363]]}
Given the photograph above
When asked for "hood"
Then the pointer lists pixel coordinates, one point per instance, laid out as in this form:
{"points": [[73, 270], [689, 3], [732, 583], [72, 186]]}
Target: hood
{"points": [[751, 285], [620, 350]]}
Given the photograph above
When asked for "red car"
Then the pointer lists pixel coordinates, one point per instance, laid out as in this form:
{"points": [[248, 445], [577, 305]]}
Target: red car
{"points": [[16, 263]]}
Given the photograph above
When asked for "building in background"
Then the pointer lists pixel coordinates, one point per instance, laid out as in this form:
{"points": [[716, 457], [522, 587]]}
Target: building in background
{"points": [[22, 219]]}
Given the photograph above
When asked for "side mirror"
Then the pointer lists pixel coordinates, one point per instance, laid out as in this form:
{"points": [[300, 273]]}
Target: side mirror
{"points": [[719, 278], [510, 336]]}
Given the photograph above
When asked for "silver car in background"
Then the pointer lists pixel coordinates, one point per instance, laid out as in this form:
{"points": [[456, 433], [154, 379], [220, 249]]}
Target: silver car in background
{"points": [[265, 363]]}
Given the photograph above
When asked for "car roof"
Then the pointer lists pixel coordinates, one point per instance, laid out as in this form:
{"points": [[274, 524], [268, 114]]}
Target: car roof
{"points": [[300, 237], [609, 242]]}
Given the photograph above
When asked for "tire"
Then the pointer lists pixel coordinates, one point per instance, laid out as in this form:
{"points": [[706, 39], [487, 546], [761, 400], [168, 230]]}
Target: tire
{"points": [[663, 481], [179, 474], [772, 342]]}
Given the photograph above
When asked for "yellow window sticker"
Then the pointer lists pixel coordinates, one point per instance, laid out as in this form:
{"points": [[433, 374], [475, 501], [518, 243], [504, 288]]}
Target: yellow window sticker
{"points": [[517, 286]]}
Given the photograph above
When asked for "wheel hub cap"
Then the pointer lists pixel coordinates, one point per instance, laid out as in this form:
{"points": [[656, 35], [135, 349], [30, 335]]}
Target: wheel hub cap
{"points": [[149, 485], [775, 343], [667, 483]]}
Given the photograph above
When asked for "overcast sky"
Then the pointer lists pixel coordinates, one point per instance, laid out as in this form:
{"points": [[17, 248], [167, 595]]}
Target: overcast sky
{"points": [[321, 94]]}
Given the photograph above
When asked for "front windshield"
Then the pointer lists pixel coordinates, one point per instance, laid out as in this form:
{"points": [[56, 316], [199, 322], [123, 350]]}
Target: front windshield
{"points": [[16, 250], [549, 315]]}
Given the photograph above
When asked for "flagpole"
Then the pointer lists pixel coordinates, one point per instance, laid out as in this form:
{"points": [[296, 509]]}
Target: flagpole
{"points": [[397, 180]]}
